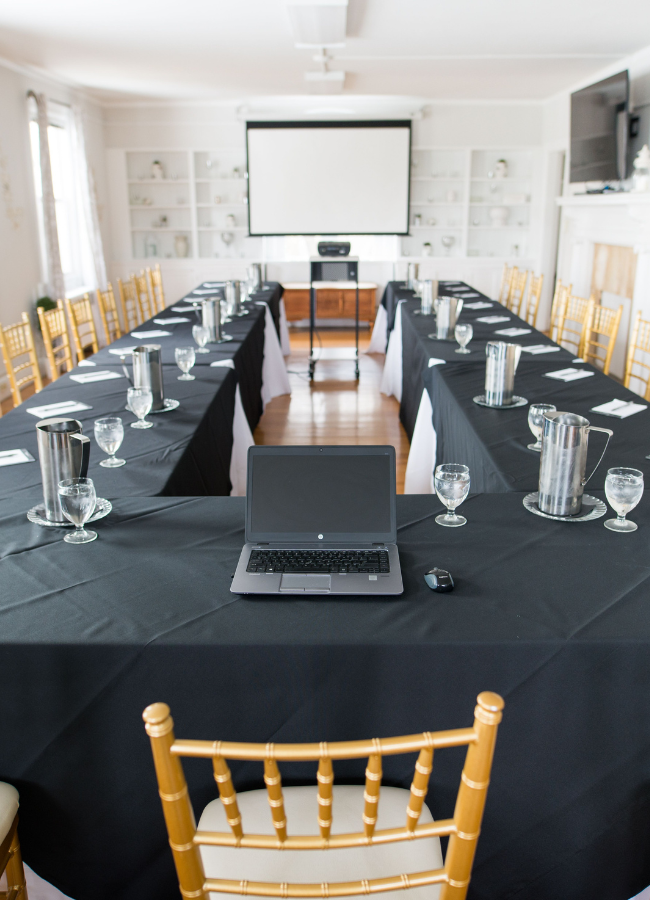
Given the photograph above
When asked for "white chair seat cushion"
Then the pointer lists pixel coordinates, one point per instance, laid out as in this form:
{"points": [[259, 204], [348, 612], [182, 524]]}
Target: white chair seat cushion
{"points": [[316, 866], [8, 808]]}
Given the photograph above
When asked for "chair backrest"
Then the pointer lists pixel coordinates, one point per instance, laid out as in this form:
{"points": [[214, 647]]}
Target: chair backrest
{"points": [[573, 318], [517, 291], [603, 323], [638, 356], [17, 343], [131, 316], [54, 329], [562, 292], [145, 301], [108, 313], [506, 278], [463, 829], [82, 325], [154, 279], [531, 306]]}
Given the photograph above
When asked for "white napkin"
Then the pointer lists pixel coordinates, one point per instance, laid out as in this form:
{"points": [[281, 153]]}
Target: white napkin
{"points": [[57, 409], [213, 284], [183, 308], [13, 457], [226, 363], [172, 320], [455, 289], [540, 348], [436, 362], [568, 374], [197, 291], [513, 332], [481, 304], [121, 351], [492, 320], [471, 294], [102, 375], [619, 409], [86, 362], [150, 334], [578, 360]]}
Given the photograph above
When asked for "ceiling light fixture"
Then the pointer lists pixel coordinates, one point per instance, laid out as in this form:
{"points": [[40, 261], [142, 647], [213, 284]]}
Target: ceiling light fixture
{"points": [[318, 23]]}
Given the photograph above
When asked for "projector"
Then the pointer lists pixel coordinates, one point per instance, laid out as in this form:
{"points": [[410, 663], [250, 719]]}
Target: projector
{"points": [[334, 248]]}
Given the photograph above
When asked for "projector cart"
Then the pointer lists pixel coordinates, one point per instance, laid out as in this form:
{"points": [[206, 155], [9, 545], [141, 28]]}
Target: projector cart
{"points": [[324, 268]]}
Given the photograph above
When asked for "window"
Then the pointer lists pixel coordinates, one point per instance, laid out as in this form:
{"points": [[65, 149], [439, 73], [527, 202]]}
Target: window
{"points": [[76, 258]]}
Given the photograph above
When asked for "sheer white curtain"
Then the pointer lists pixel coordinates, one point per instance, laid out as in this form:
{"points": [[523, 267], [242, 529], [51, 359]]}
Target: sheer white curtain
{"points": [[88, 196], [55, 280]]}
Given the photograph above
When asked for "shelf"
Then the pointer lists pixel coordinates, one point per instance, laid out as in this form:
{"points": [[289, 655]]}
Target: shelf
{"points": [[167, 230], [498, 227], [497, 203], [460, 178], [178, 206], [435, 228], [221, 230], [218, 180], [502, 180], [158, 181], [223, 205], [435, 203]]}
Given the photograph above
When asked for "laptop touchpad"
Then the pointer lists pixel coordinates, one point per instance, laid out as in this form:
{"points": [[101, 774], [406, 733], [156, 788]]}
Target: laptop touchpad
{"points": [[308, 583]]}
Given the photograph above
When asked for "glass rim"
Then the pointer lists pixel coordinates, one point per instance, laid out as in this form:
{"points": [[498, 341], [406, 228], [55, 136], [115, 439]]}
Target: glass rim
{"points": [[625, 470], [71, 482], [143, 389], [542, 406], [458, 468], [105, 419]]}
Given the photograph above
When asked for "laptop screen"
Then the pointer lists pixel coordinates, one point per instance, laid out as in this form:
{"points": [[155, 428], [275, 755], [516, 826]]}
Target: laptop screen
{"points": [[305, 492]]}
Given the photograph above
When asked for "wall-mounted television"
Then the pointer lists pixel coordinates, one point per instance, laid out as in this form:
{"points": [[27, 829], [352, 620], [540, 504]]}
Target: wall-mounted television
{"points": [[328, 177], [599, 130]]}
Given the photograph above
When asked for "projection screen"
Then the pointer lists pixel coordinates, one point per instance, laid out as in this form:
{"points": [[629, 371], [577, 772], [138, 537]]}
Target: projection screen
{"points": [[328, 177]]}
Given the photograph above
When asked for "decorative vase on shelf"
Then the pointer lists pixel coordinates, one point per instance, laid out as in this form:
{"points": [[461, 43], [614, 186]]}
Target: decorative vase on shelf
{"points": [[501, 169], [417, 220], [151, 247], [499, 215], [157, 171], [641, 177], [231, 222], [181, 246], [427, 249]]}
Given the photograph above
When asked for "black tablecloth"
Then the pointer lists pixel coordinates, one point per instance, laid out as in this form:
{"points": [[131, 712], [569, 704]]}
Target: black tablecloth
{"points": [[555, 617], [187, 452], [271, 292], [492, 442], [393, 293], [418, 348]]}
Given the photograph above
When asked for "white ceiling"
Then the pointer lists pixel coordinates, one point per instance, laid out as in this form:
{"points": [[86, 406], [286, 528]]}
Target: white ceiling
{"points": [[230, 49]]}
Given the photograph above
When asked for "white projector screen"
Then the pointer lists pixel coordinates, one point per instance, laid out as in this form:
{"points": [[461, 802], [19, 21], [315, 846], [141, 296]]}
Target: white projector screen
{"points": [[328, 177]]}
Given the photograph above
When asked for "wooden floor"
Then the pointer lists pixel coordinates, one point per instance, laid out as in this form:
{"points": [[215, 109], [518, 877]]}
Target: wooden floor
{"points": [[335, 408]]}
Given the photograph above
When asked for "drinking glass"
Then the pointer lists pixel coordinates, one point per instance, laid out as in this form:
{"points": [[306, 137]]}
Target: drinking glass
{"points": [[448, 241], [140, 401], [201, 335], [185, 359], [623, 489], [227, 311], [536, 422], [451, 482], [78, 498], [109, 434], [464, 333]]}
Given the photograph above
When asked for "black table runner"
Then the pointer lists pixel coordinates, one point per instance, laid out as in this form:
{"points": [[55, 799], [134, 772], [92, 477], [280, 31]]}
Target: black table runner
{"points": [[555, 620]]}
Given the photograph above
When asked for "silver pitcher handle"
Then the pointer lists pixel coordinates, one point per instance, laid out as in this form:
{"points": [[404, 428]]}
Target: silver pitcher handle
{"points": [[125, 370], [611, 435]]}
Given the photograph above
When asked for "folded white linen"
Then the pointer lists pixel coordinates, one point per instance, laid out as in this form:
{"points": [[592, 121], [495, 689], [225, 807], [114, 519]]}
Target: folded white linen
{"points": [[184, 309], [121, 351], [470, 294], [619, 409], [86, 362], [57, 409], [225, 363], [14, 457], [540, 348], [568, 374], [436, 362], [157, 332], [480, 304], [102, 375], [492, 320], [172, 320], [513, 332]]}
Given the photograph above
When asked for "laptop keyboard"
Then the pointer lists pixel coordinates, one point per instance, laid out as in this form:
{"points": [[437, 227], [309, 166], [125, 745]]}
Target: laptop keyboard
{"points": [[320, 561]]}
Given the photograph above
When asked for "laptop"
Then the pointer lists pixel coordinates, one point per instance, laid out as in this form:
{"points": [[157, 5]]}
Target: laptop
{"points": [[320, 520]]}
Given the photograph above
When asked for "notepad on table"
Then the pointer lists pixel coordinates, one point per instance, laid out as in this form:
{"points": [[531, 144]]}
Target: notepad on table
{"points": [[619, 409], [513, 332], [541, 348], [14, 457], [492, 320], [569, 374], [481, 304], [172, 320], [465, 296], [57, 409], [86, 362], [185, 309], [121, 351], [157, 332], [101, 375]]}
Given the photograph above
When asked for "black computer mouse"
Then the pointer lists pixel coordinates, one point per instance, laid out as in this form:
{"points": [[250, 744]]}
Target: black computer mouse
{"points": [[439, 580]]}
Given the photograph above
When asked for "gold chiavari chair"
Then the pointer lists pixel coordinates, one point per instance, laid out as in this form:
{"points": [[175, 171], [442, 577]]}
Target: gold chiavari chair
{"points": [[54, 329], [602, 323], [400, 836], [131, 316], [530, 307], [17, 342], [506, 280], [517, 291], [572, 323], [638, 356], [108, 314], [11, 863], [154, 279], [82, 325], [145, 301], [562, 293]]}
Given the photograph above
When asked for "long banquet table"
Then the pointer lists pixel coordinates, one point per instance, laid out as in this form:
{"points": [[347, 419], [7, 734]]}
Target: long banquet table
{"points": [[91, 635]]}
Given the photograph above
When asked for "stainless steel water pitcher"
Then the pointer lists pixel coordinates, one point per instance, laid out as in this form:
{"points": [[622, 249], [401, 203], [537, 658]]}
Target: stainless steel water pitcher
{"points": [[148, 372], [412, 270], [63, 452], [501, 364], [211, 317], [565, 438], [448, 310], [233, 298], [254, 275]]}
